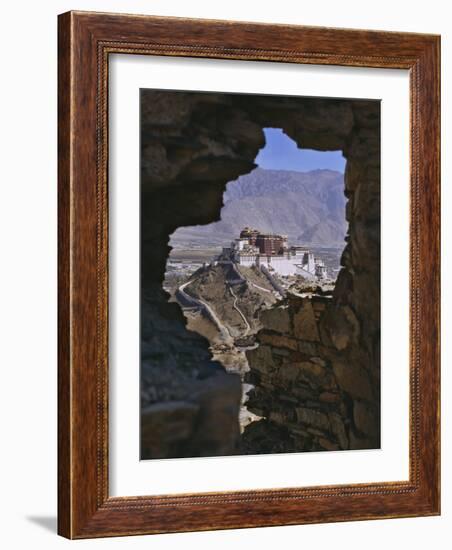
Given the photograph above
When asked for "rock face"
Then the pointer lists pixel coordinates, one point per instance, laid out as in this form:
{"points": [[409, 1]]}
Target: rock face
{"points": [[193, 144]]}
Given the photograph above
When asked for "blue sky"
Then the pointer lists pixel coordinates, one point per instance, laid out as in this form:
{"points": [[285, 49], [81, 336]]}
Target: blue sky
{"points": [[282, 153]]}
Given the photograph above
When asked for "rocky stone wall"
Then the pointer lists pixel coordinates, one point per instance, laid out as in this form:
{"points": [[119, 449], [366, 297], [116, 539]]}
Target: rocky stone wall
{"points": [[308, 383], [193, 144]]}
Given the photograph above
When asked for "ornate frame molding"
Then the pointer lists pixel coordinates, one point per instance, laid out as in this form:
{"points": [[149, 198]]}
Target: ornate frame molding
{"points": [[85, 42]]}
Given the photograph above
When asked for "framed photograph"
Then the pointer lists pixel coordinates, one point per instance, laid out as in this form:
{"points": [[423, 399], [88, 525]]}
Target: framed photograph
{"points": [[248, 275]]}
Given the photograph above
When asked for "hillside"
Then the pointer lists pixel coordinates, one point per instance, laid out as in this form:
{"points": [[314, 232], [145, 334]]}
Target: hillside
{"points": [[307, 206], [213, 285]]}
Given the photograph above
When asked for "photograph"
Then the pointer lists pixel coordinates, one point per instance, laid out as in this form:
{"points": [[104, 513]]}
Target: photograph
{"points": [[259, 274]]}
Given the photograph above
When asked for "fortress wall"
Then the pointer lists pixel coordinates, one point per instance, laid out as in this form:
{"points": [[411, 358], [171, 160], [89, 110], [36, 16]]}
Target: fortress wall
{"points": [[282, 265], [248, 261]]}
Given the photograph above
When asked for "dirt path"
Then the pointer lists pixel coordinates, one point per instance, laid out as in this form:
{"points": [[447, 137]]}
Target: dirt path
{"points": [[234, 305], [204, 305]]}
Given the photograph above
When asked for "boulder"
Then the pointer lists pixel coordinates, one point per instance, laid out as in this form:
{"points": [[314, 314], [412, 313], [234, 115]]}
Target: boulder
{"points": [[353, 379], [305, 325], [313, 418], [276, 319], [364, 418]]}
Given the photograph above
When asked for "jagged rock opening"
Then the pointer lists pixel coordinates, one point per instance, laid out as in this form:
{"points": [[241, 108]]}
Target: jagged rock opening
{"points": [[191, 148]]}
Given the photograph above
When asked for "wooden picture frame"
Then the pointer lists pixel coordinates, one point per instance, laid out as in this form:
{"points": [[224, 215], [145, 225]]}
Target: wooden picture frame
{"points": [[86, 40]]}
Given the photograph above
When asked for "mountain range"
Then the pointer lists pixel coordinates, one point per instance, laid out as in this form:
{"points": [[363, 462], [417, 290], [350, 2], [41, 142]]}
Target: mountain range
{"points": [[309, 207]]}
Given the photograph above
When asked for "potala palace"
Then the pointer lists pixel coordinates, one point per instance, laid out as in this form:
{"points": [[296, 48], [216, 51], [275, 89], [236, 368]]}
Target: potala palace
{"points": [[273, 252]]}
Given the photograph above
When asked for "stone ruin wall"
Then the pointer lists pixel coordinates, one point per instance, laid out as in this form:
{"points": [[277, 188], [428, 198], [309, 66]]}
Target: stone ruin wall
{"points": [[323, 378], [310, 390]]}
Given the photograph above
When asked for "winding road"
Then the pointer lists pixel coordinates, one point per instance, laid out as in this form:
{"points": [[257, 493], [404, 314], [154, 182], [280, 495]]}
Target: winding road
{"points": [[237, 270], [189, 301], [201, 304], [262, 288], [234, 305]]}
